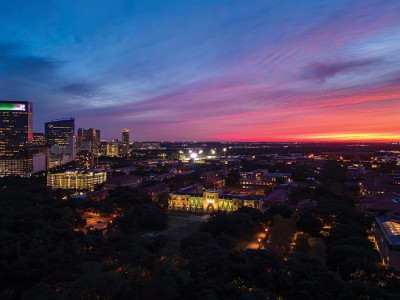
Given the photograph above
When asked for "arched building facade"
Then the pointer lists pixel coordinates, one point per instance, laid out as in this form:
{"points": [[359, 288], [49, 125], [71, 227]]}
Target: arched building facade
{"points": [[212, 200]]}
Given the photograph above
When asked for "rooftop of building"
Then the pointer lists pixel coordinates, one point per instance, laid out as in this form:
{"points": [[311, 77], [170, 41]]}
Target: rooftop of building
{"points": [[123, 179], [278, 195], [388, 203], [61, 119], [240, 197], [189, 194], [391, 230], [75, 171], [158, 188], [278, 174]]}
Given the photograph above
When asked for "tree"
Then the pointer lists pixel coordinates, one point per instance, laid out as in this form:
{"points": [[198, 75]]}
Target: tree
{"points": [[163, 199]]}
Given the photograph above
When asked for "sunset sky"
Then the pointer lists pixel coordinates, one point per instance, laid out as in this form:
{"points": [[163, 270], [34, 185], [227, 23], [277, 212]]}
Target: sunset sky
{"points": [[207, 70]]}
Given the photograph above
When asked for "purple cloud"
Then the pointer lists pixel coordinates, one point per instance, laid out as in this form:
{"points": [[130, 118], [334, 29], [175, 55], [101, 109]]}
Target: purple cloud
{"points": [[320, 72]]}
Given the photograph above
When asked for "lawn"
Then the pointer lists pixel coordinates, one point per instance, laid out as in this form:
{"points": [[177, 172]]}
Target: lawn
{"points": [[179, 228]]}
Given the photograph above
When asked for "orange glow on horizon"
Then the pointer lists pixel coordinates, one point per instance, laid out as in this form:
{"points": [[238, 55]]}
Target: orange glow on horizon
{"points": [[329, 137], [359, 137]]}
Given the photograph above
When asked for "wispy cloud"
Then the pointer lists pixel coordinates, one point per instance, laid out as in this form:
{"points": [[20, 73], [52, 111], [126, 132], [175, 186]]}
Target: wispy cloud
{"points": [[14, 61], [83, 89], [321, 72]]}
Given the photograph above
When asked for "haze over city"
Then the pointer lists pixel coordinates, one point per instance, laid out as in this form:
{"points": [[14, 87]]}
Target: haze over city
{"points": [[208, 70]]}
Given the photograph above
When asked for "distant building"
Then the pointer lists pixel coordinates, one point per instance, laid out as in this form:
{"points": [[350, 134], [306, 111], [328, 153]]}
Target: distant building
{"points": [[125, 136], [387, 239], [156, 190], [373, 183], [382, 204], [130, 180], [16, 119], [215, 182], [39, 162], [210, 201], [103, 148], [277, 197], [59, 131], [89, 139], [262, 177], [76, 180], [35, 149], [58, 160], [112, 149], [68, 148], [85, 160], [39, 139], [123, 149]]}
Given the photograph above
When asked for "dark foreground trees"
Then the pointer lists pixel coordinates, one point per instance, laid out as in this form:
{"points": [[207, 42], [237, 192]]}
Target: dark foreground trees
{"points": [[43, 257]]}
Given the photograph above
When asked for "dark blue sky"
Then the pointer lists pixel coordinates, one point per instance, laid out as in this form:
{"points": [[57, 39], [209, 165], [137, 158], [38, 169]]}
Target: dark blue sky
{"points": [[207, 70]]}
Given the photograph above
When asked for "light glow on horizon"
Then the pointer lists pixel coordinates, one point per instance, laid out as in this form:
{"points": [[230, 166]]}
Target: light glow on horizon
{"points": [[362, 137]]}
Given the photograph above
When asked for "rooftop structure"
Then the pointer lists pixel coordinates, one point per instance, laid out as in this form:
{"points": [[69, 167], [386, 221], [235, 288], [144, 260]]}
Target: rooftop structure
{"points": [[387, 238]]}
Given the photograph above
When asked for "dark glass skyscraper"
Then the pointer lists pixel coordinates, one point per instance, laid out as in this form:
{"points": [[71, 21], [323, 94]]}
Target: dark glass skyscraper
{"points": [[15, 133], [15, 128], [125, 136], [59, 131]]}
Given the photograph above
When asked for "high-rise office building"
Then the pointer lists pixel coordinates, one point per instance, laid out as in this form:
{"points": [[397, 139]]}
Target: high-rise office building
{"points": [[39, 139], [15, 133], [125, 136], [15, 128], [59, 131], [89, 140]]}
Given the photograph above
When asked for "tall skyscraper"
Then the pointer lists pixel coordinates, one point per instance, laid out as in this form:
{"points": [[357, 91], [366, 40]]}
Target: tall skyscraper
{"points": [[125, 136], [89, 140], [15, 128], [15, 133], [59, 131]]}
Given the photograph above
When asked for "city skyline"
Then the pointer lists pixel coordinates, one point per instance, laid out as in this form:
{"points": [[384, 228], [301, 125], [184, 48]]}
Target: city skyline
{"points": [[211, 71]]}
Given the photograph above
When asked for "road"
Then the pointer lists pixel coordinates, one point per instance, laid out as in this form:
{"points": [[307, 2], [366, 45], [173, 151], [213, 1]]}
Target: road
{"points": [[94, 221], [255, 243]]}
